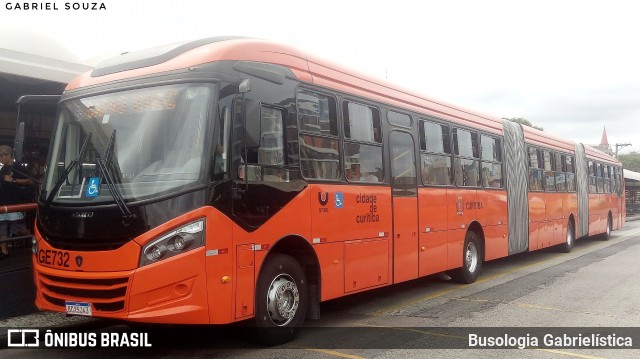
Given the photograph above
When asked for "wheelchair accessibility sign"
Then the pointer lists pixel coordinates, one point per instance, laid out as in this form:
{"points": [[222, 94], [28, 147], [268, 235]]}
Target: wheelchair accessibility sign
{"points": [[93, 190]]}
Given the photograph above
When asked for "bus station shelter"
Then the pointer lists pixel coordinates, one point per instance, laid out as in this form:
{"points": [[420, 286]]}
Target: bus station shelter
{"points": [[632, 189], [30, 64]]}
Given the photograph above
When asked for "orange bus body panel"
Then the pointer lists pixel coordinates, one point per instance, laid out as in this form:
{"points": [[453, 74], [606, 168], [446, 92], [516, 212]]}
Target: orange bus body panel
{"points": [[494, 219], [405, 239], [433, 230]]}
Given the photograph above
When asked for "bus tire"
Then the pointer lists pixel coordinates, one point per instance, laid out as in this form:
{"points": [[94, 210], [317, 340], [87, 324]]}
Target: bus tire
{"points": [[570, 239], [281, 300], [607, 234], [471, 260]]}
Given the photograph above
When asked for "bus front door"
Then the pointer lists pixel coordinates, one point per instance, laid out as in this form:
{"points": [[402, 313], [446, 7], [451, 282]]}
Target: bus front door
{"points": [[405, 206]]}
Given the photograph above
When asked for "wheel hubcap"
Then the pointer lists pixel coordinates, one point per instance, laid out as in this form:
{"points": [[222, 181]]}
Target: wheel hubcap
{"points": [[283, 299], [471, 257]]}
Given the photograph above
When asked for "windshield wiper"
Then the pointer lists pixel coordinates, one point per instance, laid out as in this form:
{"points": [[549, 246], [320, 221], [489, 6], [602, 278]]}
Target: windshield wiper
{"points": [[108, 152], [127, 216], [67, 170]]}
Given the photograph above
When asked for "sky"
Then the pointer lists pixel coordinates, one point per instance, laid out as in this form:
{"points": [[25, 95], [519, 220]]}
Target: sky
{"points": [[571, 67]]}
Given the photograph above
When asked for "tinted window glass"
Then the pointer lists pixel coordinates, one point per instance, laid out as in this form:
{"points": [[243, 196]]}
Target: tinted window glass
{"points": [[271, 150], [434, 137], [317, 113], [399, 119], [319, 157], [363, 163], [491, 149], [465, 143], [403, 165], [534, 161], [492, 175], [467, 172], [361, 123], [436, 169]]}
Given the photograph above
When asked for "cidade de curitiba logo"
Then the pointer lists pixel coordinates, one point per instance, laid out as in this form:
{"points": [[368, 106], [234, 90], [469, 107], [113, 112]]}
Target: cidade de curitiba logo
{"points": [[36, 338]]}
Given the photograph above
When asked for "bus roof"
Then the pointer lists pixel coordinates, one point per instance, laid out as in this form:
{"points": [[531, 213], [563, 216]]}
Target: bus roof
{"points": [[305, 67]]}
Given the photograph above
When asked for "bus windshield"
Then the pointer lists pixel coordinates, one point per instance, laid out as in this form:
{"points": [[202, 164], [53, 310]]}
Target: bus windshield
{"points": [[151, 142]]}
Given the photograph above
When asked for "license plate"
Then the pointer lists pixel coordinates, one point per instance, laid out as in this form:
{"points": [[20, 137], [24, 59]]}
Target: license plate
{"points": [[79, 308]]}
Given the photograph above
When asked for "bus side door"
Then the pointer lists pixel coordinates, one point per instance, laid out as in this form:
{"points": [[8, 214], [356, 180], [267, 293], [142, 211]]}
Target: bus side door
{"points": [[405, 206]]}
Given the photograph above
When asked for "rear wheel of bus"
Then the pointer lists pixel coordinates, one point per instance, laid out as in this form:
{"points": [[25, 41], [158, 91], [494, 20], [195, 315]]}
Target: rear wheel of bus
{"points": [[571, 238], [281, 299], [471, 260]]}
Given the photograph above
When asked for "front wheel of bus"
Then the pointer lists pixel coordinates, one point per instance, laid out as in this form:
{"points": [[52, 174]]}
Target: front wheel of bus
{"points": [[281, 300], [471, 260]]}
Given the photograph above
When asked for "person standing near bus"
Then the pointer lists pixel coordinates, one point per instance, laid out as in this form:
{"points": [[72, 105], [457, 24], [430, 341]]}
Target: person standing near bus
{"points": [[10, 193]]}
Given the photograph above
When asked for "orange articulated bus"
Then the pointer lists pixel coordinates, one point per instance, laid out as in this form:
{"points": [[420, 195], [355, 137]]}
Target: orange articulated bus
{"points": [[227, 179]]}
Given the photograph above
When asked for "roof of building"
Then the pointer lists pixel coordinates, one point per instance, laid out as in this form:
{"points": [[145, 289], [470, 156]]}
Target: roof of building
{"points": [[630, 175], [35, 55]]}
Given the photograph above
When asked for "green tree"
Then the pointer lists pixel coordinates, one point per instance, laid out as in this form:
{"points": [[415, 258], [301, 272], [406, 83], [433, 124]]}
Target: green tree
{"points": [[523, 121], [630, 161]]}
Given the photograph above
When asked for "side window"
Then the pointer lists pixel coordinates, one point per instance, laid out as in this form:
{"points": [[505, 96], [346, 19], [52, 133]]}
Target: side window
{"points": [[221, 155], [491, 153], [435, 153], [403, 164], [607, 178], [465, 143], [399, 119], [600, 179], [465, 163], [570, 173], [363, 143], [319, 149], [592, 177], [549, 174], [361, 123], [535, 169], [317, 113], [561, 173], [271, 150]]}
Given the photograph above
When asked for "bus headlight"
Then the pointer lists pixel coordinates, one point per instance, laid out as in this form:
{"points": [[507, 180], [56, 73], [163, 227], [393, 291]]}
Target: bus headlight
{"points": [[180, 240]]}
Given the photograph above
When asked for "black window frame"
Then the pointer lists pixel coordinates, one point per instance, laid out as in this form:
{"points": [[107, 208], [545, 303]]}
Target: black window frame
{"points": [[396, 112], [446, 147], [535, 169], [475, 156], [347, 140], [497, 154], [304, 133]]}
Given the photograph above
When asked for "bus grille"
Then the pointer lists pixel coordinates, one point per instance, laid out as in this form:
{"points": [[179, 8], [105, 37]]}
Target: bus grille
{"points": [[106, 295]]}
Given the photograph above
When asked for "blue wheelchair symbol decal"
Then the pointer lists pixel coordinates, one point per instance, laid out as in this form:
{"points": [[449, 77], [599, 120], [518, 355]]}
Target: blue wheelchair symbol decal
{"points": [[339, 200], [94, 187]]}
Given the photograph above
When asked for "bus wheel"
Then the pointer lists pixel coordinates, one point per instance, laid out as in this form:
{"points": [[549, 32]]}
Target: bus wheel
{"points": [[281, 300], [571, 239], [607, 234], [471, 260]]}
